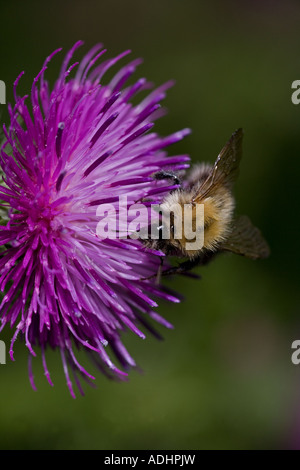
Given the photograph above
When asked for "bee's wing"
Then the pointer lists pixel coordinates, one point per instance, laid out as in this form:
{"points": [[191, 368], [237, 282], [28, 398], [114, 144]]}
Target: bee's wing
{"points": [[225, 169], [246, 240]]}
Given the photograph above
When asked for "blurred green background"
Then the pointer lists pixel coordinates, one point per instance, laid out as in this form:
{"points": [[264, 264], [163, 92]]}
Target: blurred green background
{"points": [[223, 379]]}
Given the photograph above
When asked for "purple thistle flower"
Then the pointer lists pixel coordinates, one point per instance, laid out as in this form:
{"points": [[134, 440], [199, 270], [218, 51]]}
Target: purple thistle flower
{"points": [[69, 150]]}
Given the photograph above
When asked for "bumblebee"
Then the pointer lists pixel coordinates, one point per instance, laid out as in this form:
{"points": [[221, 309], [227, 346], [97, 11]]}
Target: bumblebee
{"points": [[211, 186]]}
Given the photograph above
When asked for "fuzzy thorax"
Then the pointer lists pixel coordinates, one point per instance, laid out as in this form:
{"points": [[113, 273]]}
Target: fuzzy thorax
{"points": [[218, 211]]}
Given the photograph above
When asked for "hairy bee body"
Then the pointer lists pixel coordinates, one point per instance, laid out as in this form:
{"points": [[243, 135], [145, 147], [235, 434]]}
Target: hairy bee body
{"points": [[218, 214]]}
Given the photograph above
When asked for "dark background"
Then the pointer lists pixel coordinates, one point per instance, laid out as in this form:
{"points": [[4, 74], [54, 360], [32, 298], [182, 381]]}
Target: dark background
{"points": [[224, 377]]}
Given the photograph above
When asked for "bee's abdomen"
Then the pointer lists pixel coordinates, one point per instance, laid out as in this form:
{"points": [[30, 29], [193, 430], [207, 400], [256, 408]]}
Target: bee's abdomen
{"points": [[218, 213]]}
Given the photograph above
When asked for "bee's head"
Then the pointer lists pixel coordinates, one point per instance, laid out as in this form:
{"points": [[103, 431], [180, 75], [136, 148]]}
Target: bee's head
{"points": [[161, 237]]}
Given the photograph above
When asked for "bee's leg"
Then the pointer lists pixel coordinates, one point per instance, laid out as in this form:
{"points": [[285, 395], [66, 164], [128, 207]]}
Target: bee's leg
{"points": [[167, 175], [157, 275], [159, 271], [184, 268]]}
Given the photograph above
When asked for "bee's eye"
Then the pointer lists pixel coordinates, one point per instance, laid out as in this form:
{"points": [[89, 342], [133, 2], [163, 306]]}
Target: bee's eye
{"points": [[172, 230]]}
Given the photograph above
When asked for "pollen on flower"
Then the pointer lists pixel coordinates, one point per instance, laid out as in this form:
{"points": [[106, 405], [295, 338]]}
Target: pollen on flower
{"points": [[66, 150]]}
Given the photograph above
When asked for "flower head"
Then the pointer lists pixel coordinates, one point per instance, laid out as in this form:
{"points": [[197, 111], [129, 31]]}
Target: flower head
{"points": [[66, 151]]}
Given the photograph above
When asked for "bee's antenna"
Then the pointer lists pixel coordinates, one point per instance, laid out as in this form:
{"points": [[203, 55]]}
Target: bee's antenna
{"points": [[124, 231], [167, 175]]}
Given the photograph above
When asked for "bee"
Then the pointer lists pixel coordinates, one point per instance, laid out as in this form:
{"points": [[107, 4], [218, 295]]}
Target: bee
{"points": [[212, 186]]}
